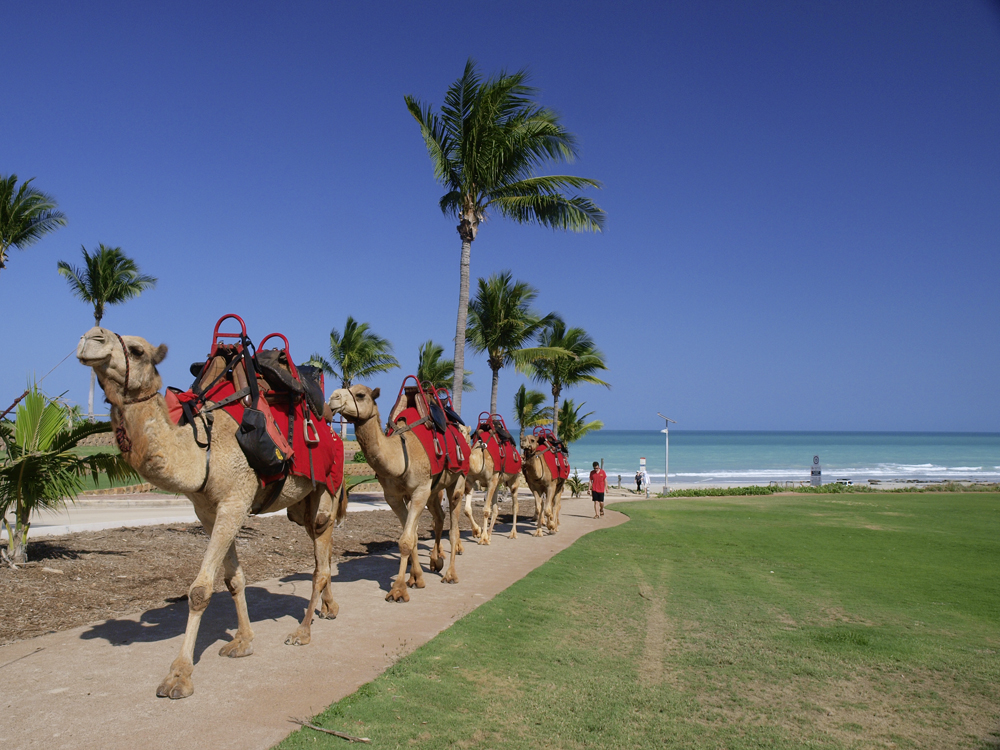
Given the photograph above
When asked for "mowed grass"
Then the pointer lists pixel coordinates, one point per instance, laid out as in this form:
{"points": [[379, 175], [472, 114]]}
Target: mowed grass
{"points": [[778, 622]]}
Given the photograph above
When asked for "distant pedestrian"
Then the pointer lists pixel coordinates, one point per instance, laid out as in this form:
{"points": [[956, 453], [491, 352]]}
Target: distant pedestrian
{"points": [[638, 481], [598, 486], [644, 481]]}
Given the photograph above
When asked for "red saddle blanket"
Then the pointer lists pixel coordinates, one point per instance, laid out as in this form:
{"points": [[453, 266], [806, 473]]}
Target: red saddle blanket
{"points": [[323, 462], [505, 456], [556, 461], [448, 451]]}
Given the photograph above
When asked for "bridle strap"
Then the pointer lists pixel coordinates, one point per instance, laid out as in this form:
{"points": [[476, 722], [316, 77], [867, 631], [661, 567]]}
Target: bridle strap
{"points": [[125, 399], [121, 435]]}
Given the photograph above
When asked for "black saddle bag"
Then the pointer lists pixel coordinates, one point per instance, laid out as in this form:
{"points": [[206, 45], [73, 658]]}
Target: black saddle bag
{"points": [[265, 448]]}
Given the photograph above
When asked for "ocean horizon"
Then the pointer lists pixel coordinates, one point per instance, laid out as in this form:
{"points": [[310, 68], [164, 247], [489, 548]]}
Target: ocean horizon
{"points": [[759, 457]]}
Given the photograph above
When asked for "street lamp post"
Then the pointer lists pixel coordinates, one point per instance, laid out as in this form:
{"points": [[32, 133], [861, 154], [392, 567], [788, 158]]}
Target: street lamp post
{"points": [[666, 450]]}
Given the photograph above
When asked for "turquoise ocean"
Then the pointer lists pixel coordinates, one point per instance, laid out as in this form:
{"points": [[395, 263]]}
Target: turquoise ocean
{"points": [[761, 457]]}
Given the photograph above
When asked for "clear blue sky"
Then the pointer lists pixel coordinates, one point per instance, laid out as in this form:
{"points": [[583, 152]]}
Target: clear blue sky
{"points": [[803, 199]]}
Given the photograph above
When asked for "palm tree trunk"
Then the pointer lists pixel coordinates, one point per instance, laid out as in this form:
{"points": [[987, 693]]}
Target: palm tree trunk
{"points": [[493, 395], [555, 411], [90, 398], [98, 314], [464, 229]]}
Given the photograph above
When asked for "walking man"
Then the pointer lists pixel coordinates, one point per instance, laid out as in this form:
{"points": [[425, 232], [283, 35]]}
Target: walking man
{"points": [[598, 485]]}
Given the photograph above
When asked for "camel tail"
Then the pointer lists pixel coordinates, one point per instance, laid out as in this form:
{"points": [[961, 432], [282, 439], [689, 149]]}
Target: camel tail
{"points": [[342, 506]]}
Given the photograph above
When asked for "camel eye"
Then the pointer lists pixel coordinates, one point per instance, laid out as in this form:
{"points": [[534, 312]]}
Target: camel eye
{"points": [[361, 396], [136, 351]]}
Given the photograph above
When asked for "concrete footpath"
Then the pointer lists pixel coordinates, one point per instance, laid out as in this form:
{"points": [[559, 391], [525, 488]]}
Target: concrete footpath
{"points": [[95, 686]]}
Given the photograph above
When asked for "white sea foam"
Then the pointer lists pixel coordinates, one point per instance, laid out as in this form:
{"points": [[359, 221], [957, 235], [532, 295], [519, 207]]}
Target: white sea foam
{"points": [[882, 471]]}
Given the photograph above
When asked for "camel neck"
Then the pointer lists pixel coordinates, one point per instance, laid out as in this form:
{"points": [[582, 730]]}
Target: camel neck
{"points": [[160, 451], [380, 451]]}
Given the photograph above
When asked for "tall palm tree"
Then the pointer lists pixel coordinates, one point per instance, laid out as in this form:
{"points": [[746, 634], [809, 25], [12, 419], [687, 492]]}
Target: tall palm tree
{"points": [[573, 425], [528, 409], [40, 469], [25, 215], [486, 145], [436, 371], [563, 371], [501, 323], [108, 277], [357, 354]]}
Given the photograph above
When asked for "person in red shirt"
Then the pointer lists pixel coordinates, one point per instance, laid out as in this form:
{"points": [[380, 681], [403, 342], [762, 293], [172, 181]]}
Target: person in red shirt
{"points": [[598, 484]]}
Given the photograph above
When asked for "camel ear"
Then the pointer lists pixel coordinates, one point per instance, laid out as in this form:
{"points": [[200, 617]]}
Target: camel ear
{"points": [[375, 394], [159, 354]]}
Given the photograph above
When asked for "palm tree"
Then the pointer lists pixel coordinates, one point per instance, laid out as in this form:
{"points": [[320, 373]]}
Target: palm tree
{"points": [[573, 425], [563, 371], [108, 277], [24, 216], [358, 354], [40, 469], [436, 371], [485, 146], [501, 323], [528, 409]]}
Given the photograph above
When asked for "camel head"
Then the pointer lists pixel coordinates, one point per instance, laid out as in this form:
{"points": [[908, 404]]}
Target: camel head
{"points": [[529, 445], [356, 404], [100, 349]]}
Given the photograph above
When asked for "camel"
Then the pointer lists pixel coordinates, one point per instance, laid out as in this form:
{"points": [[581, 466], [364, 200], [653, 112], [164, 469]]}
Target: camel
{"points": [[482, 472], [546, 488], [404, 471], [222, 488]]}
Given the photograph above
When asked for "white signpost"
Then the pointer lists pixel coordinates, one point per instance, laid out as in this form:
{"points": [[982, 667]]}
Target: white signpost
{"points": [[816, 476], [666, 451]]}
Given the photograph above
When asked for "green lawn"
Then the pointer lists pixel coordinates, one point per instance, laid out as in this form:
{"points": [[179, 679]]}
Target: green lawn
{"points": [[778, 622]]}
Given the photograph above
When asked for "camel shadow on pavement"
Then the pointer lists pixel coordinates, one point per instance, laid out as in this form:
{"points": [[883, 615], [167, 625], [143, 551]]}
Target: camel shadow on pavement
{"points": [[170, 620]]}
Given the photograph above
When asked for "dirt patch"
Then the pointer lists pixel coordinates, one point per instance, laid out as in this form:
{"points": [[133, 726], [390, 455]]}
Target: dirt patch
{"points": [[92, 576]]}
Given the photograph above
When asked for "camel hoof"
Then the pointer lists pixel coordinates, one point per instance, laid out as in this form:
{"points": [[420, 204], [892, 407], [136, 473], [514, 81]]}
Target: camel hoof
{"points": [[415, 583], [538, 532], [397, 595], [301, 637], [175, 687], [484, 540], [459, 548], [437, 563], [328, 613], [236, 648], [476, 532], [512, 535], [450, 577]]}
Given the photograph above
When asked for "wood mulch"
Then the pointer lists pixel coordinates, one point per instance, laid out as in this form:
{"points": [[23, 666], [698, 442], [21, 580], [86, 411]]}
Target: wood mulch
{"points": [[93, 576]]}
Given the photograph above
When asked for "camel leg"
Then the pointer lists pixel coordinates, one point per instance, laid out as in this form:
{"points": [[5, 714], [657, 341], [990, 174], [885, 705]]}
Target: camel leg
{"points": [[437, 556], [514, 487], [242, 643], [227, 523], [454, 498], [329, 609], [408, 548], [539, 513], [476, 531], [319, 526], [491, 508], [554, 504]]}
